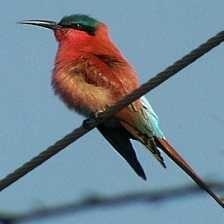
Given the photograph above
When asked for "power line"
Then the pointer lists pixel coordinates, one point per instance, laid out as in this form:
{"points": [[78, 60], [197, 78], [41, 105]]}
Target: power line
{"points": [[103, 201]]}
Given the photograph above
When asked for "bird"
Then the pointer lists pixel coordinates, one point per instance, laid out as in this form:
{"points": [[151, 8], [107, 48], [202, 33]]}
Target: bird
{"points": [[91, 74]]}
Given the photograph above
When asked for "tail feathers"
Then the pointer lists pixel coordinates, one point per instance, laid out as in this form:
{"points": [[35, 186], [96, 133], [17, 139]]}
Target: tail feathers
{"points": [[147, 140], [119, 138], [177, 158], [151, 145]]}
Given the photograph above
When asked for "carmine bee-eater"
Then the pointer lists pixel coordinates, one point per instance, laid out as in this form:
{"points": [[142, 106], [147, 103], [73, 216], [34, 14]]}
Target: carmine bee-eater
{"points": [[91, 74]]}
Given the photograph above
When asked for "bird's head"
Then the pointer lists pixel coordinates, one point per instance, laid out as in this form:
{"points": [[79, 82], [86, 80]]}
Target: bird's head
{"points": [[74, 28], [79, 34]]}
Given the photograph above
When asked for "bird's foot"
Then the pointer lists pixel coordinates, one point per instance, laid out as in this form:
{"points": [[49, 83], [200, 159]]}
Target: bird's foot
{"points": [[92, 118]]}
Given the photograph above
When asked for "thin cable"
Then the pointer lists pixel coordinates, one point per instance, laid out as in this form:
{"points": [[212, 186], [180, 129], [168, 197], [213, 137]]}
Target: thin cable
{"points": [[103, 201], [89, 124]]}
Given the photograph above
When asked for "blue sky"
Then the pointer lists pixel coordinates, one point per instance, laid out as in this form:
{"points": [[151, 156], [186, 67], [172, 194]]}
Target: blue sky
{"points": [[152, 34]]}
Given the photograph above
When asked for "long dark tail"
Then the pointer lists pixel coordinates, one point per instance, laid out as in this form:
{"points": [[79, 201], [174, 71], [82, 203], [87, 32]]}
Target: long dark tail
{"points": [[167, 148]]}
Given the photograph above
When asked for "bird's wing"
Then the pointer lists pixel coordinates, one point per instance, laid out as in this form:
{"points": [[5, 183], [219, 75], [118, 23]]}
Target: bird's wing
{"points": [[99, 78], [139, 119], [111, 73], [143, 123], [119, 138]]}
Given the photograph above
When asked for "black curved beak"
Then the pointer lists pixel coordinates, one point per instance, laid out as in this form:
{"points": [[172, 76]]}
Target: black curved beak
{"points": [[43, 23]]}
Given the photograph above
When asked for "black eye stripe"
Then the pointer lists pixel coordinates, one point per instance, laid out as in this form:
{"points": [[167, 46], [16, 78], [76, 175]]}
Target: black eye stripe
{"points": [[78, 26]]}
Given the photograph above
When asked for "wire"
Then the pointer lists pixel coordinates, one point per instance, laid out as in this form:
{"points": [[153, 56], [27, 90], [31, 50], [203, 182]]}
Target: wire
{"points": [[91, 123], [103, 201]]}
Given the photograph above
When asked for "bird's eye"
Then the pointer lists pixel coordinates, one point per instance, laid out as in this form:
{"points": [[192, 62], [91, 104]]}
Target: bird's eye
{"points": [[78, 25]]}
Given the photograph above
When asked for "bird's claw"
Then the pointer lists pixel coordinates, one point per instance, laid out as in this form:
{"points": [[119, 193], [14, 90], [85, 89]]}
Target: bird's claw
{"points": [[92, 119]]}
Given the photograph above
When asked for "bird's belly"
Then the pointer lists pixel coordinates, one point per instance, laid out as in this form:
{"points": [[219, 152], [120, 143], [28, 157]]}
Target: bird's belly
{"points": [[79, 95]]}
